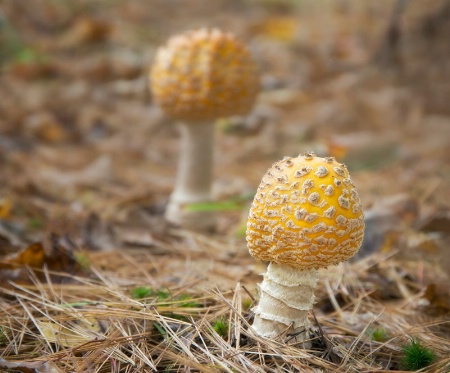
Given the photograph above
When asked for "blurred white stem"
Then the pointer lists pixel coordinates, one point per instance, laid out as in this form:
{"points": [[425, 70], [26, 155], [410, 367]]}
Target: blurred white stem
{"points": [[194, 175], [286, 296]]}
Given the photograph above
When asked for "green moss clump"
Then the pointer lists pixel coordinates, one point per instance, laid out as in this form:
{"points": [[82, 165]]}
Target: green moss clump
{"points": [[221, 326], [142, 292], [186, 301], [416, 357], [379, 334]]}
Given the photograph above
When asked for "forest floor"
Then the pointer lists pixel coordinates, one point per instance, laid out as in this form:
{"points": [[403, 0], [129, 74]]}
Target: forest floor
{"points": [[92, 277]]}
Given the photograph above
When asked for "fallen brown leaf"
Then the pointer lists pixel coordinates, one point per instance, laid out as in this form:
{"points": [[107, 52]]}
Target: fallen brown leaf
{"points": [[439, 297], [33, 256], [5, 207], [87, 30], [56, 254]]}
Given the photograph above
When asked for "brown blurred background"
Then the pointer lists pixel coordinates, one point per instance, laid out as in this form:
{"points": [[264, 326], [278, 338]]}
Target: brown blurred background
{"points": [[367, 82]]}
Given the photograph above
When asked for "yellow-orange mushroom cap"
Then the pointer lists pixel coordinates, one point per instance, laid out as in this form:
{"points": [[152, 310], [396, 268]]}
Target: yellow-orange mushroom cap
{"points": [[306, 214], [203, 75]]}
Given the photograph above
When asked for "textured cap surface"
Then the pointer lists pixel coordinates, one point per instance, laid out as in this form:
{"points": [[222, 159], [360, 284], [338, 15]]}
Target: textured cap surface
{"points": [[306, 214], [204, 75]]}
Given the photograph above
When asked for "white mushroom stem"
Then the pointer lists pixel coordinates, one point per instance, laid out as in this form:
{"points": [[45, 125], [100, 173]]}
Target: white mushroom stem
{"points": [[194, 176], [286, 296]]}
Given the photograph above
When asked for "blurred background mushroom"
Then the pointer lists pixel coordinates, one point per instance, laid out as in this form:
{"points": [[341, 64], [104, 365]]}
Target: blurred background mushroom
{"points": [[196, 78]]}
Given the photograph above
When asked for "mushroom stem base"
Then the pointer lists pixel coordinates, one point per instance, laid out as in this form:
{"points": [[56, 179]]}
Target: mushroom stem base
{"points": [[286, 296]]}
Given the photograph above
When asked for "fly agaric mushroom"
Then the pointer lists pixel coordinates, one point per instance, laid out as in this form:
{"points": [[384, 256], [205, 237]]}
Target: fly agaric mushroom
{"points": [[198, 77], [306, 215]]}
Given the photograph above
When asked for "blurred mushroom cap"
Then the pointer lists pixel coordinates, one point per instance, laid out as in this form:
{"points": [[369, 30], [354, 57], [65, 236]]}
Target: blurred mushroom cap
{"points": [[203, 75]]}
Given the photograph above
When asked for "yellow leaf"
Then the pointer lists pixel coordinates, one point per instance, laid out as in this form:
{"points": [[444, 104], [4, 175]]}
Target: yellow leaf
{"points": [[5, 208], [70, 334], [279, 28]]}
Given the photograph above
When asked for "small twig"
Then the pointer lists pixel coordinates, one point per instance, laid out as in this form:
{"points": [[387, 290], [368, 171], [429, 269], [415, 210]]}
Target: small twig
{"points": [[249, 294], [335, 358]]}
